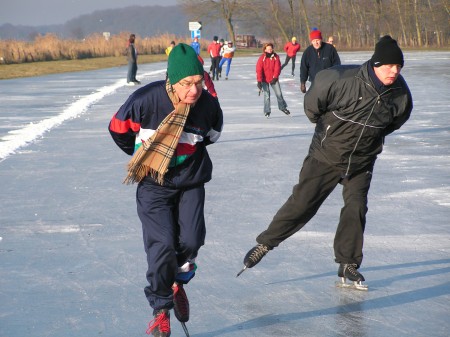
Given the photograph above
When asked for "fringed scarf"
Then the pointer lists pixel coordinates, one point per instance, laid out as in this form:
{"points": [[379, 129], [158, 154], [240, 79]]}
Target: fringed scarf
{"points": [[153, 157]]}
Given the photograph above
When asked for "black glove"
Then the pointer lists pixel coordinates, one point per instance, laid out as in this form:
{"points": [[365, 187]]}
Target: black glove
{"points": [[303, 88], [275, 80], [259, 85]]}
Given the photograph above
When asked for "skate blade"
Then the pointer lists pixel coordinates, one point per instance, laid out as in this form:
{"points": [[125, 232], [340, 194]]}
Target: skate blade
{"points": [[242, 270], [185, 329], [354, 285]]}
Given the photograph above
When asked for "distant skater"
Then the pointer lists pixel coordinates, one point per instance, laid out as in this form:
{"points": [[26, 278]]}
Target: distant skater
{"points": [[291, 48], [227, 56], [316, 57], [132, 61], [268, 68]]}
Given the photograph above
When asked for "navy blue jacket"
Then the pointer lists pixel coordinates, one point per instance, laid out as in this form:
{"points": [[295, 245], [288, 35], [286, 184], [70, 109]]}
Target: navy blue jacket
{"points": [[314, 61], [139, 117]]}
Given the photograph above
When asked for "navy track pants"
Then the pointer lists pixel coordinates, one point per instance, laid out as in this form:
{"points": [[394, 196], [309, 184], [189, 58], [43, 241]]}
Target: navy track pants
{"points": [[173, 227]]}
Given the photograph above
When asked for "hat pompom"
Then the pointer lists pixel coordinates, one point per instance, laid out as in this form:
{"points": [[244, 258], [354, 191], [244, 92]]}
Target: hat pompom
{"points": [[315, 34]]}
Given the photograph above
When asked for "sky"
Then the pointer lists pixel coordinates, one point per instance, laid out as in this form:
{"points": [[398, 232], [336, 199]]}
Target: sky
{"points": [[47, 12], [72, 261]]}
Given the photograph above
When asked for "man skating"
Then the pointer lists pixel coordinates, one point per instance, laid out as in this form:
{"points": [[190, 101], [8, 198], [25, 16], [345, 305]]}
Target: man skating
{"points": [[354, 108], [166, 126]]}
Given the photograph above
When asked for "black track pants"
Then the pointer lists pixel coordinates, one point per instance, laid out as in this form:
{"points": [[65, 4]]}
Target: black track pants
{"points": [[317, 180]]}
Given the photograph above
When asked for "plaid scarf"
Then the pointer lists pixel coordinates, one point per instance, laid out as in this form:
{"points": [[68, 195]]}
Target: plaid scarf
{"points": [[153, 157]]}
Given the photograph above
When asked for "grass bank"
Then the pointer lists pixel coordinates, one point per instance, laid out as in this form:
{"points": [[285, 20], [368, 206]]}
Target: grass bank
{"points": [[31, 69], [9, 71]]}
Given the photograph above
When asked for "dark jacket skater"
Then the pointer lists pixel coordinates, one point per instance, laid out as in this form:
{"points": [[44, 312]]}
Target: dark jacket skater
{"points": [[318, 56], [171, 211], [354, 108], [132, 61]]}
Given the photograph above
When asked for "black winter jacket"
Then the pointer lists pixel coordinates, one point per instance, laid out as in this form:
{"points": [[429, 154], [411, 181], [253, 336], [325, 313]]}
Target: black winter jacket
{"points": [[352, 118], [314, 61]]}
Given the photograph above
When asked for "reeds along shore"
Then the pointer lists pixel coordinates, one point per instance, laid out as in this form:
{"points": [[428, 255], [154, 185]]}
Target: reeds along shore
{"points": [[49, 47]]}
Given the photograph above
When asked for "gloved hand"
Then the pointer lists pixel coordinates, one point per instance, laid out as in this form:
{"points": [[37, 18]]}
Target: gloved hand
{"points": [[259, 85], [274, 80], [303, 88]]}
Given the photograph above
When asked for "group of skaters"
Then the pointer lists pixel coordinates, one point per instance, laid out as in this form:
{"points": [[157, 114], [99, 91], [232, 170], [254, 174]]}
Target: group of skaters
{"points": [[316, 57], [220, 51], [167, 125]]}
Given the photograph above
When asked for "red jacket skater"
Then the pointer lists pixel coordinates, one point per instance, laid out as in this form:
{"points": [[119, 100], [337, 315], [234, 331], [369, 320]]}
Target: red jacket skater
{"points": [[291, 49], [268, 68]]}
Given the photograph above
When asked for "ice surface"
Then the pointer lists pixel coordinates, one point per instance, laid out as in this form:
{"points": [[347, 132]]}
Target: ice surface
{"points": [[72, 261]]}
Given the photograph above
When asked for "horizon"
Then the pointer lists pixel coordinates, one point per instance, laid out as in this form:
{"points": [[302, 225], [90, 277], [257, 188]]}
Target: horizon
{"points": [[53, 12]]}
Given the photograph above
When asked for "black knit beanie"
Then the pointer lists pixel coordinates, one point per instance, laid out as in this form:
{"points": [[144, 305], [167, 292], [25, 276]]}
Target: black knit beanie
{"points": [[387, 51]]}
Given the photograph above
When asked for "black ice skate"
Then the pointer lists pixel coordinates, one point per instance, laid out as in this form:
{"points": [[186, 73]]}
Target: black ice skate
{"points": [[349, 271], [253, 256], [181, 305]]}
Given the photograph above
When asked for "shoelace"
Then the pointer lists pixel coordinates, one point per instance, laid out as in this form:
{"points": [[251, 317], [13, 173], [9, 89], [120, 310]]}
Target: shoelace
{"points": [[352, 270], [182, 304], [258, 253], [161, 321]]}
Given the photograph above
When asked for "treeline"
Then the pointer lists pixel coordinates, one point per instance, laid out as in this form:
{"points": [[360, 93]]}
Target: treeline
{"points": [[50, 47], [354, 23]]}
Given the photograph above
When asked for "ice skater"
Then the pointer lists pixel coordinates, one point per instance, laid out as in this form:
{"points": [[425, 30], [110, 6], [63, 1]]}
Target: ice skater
{"points": [[316, 57], [354, 108], [291, 48], [166, 126], [228, 53], [268, 68]]}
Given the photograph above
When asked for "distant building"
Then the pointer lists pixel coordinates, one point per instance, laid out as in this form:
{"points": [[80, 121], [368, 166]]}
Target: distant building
{"points": [[247, 41]]}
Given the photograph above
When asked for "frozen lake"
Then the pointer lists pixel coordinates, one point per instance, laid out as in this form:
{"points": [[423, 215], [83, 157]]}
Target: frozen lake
{"points": [[72, 262]]}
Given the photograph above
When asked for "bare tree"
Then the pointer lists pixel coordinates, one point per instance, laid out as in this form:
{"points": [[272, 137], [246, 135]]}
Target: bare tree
{"points": [[275, 11], [357, 23], [304, 14], [417, 24], [213, 10]]}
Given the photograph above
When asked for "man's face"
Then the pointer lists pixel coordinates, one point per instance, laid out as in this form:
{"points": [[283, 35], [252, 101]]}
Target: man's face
{"points": [[316, 43], [388, 73], [189, 89]]}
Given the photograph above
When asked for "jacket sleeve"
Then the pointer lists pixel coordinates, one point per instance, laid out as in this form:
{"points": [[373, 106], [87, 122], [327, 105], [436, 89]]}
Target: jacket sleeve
{"points": [[217, 125], [336, 61], [124, 126], [316, 98], [209, 84], [259, 69], [304, 67], [277, 67], [403, 115]]}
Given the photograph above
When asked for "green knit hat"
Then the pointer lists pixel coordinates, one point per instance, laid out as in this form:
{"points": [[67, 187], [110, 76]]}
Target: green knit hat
{"points": [[183, 62]]}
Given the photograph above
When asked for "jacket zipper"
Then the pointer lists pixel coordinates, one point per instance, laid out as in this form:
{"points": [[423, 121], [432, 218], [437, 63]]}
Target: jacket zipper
{"points": [[365, 123], [325, 137]]}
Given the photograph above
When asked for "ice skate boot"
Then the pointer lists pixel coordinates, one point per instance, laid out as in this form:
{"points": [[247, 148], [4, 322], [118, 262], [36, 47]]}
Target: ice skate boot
{"points": [[286, 111], [160, 325], [253, 256], [181, 306], [181, 303], [350, 271]]}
